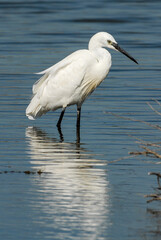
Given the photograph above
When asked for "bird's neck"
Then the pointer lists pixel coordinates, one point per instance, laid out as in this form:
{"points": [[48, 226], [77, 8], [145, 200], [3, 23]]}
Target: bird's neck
{"points": [[98, 50], [93, 45], [101, 54]]}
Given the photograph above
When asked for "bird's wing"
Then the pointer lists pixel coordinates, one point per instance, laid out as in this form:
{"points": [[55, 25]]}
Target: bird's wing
{"points": [[55, 69], [59, 82], [49, 71]]}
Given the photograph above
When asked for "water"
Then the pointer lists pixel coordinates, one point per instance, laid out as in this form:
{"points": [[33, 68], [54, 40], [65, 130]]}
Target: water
{"points": [[53, 187]]}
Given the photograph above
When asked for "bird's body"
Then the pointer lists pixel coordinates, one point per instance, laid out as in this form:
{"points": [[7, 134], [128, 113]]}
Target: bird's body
{"points": [[73, 79]]}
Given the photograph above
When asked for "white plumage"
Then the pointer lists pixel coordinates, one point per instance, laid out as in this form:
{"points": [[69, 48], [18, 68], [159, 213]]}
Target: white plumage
{"points": [[73, 79]]}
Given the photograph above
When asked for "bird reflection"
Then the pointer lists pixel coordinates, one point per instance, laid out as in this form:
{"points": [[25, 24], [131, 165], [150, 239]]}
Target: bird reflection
{"points": [[43, 147], [77, 135], [76, 192]]}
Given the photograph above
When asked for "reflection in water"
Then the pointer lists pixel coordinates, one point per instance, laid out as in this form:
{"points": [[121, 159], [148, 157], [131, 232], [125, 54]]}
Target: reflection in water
{"points": [[154, 227], [75, 195]]}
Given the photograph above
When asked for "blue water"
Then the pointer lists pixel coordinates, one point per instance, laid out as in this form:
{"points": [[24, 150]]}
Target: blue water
{"points": [[93, 189]]}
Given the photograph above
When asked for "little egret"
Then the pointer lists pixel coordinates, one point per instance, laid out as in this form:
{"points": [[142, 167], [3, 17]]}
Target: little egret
{"points": [[73, 79]]}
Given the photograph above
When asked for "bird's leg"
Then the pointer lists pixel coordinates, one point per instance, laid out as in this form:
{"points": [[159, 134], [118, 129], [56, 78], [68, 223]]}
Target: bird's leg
{"points": [[78, 123], [78, 116], [60, 134], [60, 118]]}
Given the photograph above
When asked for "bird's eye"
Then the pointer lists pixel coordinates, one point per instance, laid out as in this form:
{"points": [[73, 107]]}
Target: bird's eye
{"points": [[109, 42]]}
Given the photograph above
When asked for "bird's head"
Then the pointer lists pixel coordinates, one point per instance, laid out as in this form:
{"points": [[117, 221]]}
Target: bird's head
{"points": [[106, 40]]}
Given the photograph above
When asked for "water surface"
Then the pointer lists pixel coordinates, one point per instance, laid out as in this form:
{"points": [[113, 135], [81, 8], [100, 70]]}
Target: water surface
{"points": [[53, 187]]}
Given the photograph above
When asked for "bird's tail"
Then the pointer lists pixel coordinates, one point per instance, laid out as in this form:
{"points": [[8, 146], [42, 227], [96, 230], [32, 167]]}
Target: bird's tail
{"points": [[34, 109]]}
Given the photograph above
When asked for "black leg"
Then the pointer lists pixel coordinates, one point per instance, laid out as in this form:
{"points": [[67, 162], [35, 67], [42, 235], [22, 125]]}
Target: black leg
{"points": [[78, 123], [60, 118], [60, 134], [78, 116]]}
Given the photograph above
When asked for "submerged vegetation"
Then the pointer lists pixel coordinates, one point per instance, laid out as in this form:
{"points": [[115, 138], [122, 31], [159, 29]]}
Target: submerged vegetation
{"points": [[27, 172], [149, 149]]}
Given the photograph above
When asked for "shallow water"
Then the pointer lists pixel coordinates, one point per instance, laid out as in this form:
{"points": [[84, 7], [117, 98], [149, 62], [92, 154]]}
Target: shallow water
{"points": [[53, 187]]}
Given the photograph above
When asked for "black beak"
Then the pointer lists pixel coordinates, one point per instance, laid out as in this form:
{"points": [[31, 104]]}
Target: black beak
{"points": [[115, 45]]}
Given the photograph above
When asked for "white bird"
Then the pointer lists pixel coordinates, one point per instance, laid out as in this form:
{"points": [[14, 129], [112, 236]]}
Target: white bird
{"points": [[73, 79]]}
